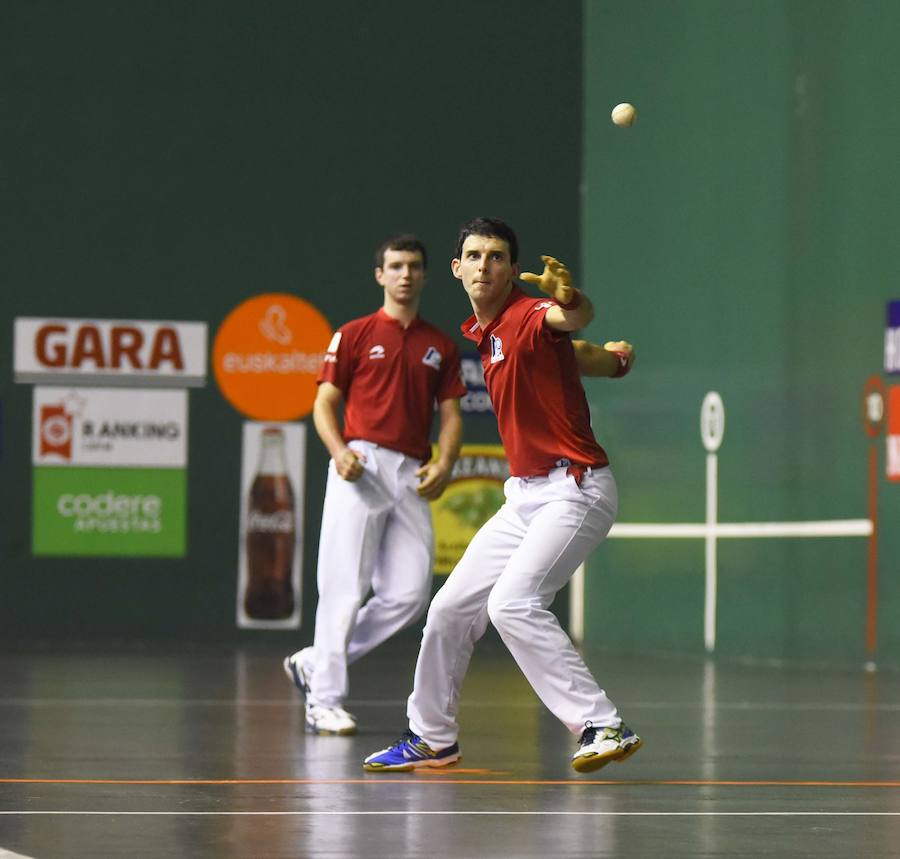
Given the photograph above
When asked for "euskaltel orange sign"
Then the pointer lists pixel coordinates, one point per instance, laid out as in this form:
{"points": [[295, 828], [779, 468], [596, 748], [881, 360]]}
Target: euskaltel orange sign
{"points": [[267, 354]]}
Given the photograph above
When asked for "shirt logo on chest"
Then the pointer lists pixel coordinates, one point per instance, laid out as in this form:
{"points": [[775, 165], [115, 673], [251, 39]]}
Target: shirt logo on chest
{"points": [[496, 349], [433, 358], [376, 352]]}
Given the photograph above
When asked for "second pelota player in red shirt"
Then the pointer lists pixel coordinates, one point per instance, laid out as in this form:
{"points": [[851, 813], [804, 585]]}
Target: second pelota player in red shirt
{"points": [[388, 369], [561, 501]]}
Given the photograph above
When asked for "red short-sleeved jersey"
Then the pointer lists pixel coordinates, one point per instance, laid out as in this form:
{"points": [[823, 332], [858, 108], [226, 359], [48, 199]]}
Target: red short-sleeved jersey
{"points": [[534, 385], [390, 377]]}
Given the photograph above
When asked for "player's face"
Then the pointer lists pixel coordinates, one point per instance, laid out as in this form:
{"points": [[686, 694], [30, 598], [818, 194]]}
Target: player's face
{"points": [[485, 268], [402, 276]]}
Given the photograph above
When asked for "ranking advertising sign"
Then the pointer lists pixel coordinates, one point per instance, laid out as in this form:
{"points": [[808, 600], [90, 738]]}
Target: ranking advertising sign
{"points": [[109, 471]]}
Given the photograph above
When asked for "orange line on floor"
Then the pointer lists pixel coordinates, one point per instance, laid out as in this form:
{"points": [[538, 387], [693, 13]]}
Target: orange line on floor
{"points": [[454, 771], [394, 778]]}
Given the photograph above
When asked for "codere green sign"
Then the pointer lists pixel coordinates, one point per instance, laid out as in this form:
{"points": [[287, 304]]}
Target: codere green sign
{"points": [[109, 511]]}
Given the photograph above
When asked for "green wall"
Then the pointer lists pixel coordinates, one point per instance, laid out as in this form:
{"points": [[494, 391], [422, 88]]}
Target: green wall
{"points": [[169, 160], [743, 235]]}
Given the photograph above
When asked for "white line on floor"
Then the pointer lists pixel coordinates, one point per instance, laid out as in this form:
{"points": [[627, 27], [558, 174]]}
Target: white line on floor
{"points": [[461, 813]]}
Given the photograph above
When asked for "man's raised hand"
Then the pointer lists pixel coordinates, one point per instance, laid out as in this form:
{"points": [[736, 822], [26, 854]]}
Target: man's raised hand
{"points": [[555, 280]]}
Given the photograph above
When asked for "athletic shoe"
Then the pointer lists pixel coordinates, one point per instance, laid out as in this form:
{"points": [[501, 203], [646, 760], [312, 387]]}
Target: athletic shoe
{"points": [[295, 668], [329, 720], [599, 746], [408, 753]]}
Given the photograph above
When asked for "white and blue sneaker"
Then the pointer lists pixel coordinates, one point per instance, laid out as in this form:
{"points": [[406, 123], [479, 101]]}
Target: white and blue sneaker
{"points": [[409, 753], [295, 666], [329, 721], [599, 746]]}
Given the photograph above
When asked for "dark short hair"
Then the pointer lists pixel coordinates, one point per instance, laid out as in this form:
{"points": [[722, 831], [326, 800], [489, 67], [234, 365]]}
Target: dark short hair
{"points": [[493, 228], [402, 242]]}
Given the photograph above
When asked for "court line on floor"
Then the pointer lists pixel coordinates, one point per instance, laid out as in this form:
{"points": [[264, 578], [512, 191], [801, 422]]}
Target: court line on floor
{"points": [[457, 813], [400, 778], [817, 706]]}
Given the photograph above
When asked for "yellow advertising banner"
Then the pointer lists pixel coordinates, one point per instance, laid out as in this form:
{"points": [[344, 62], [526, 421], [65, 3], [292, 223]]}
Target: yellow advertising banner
{"points": [[474, 494]]}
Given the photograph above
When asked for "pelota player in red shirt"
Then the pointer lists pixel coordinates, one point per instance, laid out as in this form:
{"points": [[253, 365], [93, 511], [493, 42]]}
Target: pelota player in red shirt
{"points": [[388, 369], [560, 504]]}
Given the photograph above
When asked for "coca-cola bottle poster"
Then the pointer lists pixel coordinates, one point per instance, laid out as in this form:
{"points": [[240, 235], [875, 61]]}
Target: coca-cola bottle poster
{"points": [[271, 539]]}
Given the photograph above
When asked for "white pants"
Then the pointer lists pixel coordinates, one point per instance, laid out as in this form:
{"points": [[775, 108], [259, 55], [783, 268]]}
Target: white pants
{"points": [[376, 533], [509, 574]]}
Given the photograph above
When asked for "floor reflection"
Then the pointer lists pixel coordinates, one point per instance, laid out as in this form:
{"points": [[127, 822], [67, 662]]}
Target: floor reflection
{"points": [[204, 754]]}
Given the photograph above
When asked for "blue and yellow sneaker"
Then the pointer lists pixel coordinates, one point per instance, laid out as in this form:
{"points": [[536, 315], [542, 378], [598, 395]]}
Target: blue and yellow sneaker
{"points": [[599, 746], [408, 753]]}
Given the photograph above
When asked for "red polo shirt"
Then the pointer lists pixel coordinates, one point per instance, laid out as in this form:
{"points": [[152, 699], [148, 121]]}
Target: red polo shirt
{"points": [[534, 385], [390, 377]]}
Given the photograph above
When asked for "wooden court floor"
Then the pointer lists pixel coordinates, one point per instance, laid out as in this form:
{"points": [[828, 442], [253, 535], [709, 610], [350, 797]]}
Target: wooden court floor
{"points": [[201, 753]]}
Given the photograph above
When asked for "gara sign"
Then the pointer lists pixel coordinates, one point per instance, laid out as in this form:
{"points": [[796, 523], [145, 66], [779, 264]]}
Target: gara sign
{"points": [[110, 352]]}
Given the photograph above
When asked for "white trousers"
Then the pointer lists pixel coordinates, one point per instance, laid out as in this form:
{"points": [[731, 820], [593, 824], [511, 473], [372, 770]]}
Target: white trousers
{"points": [[376, 534], [509, 574]]}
